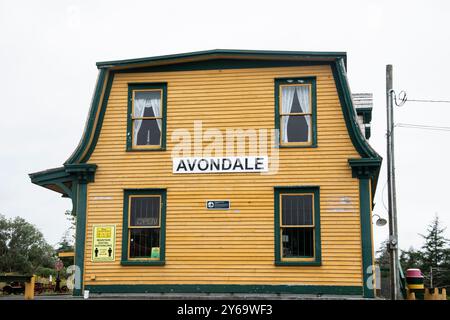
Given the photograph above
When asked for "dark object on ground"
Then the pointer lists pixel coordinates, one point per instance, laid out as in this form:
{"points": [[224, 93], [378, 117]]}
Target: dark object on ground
{"points": [[14, 287]]}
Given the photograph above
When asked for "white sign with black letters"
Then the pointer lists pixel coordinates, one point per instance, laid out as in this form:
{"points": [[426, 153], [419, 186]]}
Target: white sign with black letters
{"points": [[220, 164]]}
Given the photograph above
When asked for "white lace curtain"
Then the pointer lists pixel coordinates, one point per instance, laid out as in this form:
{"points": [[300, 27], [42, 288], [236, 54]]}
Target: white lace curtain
{"points": [[140, 104], [287, 100]]}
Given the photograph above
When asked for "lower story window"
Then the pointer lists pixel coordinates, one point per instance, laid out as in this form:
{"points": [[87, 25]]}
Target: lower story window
{"points": [[297, 225], [144, 226]]}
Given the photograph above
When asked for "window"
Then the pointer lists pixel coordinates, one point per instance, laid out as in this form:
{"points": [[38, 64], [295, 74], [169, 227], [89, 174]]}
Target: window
{"points": [[297, 226], [144, 227], [296, 111], [146, 116]]}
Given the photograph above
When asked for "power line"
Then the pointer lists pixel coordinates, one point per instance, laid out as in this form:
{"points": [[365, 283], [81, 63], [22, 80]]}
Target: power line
{"points": [[401, 98], [426, 100], [423, 127]]}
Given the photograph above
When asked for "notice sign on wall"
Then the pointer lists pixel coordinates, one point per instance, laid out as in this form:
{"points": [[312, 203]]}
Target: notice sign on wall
{"points": [[217, 204], [220, 164], [104, 242]]}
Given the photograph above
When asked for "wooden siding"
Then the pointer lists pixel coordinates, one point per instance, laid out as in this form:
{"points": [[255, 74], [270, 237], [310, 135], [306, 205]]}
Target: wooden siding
{"points": [[235, 246]]}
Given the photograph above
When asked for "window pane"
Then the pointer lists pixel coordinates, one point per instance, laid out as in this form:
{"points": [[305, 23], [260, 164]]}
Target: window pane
{"points": [[142, 241], [147, 132], [147, 104], [297, 210], [295, 99], [144, 211], [296, 128], [287, 98], [298, 242]]}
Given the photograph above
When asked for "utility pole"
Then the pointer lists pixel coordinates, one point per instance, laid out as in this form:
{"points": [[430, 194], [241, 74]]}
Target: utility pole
{"points": [[393, 238]]}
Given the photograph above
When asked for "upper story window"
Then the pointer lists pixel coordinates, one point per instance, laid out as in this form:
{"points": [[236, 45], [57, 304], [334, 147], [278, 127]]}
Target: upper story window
{"points": [[296, 111], [146, 116]]}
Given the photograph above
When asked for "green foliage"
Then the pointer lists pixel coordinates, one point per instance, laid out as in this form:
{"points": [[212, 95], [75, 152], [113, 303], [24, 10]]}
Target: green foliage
{"points": [[433, 258], [45, 272], [66, 245], [72, 217], [434, 247], [411, 258], [383, 257], [23, 249], [435, 255]]}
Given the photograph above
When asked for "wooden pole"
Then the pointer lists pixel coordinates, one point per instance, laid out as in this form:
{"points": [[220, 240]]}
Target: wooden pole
{"points": [[29, 288]]}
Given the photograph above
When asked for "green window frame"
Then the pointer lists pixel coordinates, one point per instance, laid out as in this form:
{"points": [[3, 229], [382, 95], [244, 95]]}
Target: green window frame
{"points": [[316, 259], [310, 82], [133, 88], [149, 193]]}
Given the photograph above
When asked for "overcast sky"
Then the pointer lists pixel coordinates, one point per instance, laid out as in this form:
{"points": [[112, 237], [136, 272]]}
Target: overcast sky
{"points": [[48, 51]]}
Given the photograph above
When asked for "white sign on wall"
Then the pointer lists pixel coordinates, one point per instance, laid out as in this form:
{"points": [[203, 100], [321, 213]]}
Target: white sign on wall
{"points": [[220, 164]]}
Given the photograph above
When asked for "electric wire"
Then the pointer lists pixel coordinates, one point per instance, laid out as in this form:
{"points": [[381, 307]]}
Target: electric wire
{"points": [[423, 127], [429, 100]]}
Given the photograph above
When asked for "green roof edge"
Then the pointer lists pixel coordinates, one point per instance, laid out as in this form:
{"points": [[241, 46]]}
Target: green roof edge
{"points": [[243, 53]]}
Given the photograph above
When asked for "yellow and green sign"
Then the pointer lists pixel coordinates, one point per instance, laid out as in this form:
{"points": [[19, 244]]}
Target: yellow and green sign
{"points": [[104, 242]]}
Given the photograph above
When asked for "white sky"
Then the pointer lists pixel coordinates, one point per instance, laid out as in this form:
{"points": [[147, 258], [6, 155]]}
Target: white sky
{"points": [[48, 51]]}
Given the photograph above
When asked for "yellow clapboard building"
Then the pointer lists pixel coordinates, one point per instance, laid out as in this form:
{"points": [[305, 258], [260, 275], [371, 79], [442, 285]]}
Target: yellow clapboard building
{"points": [[227, 171]]}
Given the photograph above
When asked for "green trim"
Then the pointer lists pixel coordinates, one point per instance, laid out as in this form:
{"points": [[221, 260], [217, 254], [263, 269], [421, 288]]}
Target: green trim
{"points": [[225, 53], [162, 251], [366, 113], [57, 178], [317, 241], [81, 200], [142, 263], [219, 288], [89, 129], [84, 172], [312, 81], [358, 140], [367, 132], [67, 191], [78, 175], [43, 177], [143, 86], [109, 81], [402, 279], [365, 168], [366, 238], [360, 143]]}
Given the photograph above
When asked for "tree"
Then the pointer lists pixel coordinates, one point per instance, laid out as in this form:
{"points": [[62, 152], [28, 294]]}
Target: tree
{"points": [[411, 259], [434, 247], [72, 217], [23, 248], [434, 252], [65, 245], [383, 257]]}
